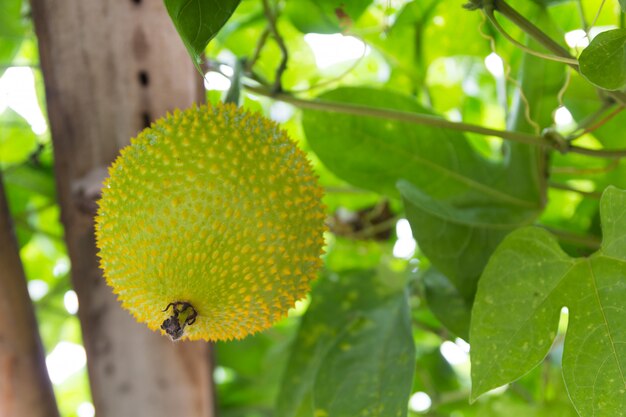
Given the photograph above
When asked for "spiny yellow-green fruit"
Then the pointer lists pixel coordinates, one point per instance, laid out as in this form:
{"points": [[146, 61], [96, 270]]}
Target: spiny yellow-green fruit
{"points": [[210, 224]]}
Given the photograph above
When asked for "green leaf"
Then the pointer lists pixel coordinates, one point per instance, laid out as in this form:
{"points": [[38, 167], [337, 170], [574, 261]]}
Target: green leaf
{"points": [[446, 303], [459, 204], [375, 153], [623, 4], [198, 21], [520, 295], [12, 30], [17, 139], [603, 62], [441, 39], [459, 240], [354, 353], [32, 178]]}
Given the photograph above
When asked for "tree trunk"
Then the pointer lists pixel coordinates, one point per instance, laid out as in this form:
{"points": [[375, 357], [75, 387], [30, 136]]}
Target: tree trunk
{"points": [[25, 388], [110, 67]]}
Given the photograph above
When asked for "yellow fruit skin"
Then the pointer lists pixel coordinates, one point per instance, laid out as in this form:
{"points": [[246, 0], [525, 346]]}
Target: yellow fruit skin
{"points": [[217, 207]]}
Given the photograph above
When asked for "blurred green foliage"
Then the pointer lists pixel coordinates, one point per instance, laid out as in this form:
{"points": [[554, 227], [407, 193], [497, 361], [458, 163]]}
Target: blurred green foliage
{"points": [[409, 310]]}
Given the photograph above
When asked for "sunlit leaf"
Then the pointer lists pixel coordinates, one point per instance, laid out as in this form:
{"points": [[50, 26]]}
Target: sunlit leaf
{"points": [[526, 283], [17, 139], [12, 30], [603, 62]]}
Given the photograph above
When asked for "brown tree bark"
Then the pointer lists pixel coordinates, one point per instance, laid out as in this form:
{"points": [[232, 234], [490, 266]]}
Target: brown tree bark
{"points": [[110, 67], [25, 388]]}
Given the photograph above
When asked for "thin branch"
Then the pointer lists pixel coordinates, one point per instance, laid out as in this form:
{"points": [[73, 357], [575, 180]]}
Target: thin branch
{"points": [[401, 116], [586, 171], [31, 66], [565, 187], [259, 47], [533, 31], [598, 153], [595, 19], [373, 230], [588, 120], [600, 123], [489, 13], [560, 97], [591, 242], [521, 391], [429, 120], [338, 78], [438, 331], [271, 18], [345, 190], [581, 12], [546, 41]]}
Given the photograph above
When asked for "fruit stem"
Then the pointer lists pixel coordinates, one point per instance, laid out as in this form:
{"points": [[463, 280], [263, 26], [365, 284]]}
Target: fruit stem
{"points": [[183, 314]]}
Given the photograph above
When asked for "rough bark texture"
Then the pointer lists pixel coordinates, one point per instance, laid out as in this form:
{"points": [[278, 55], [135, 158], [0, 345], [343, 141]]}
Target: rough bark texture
{"points": [[25, 388], [110, 67]]}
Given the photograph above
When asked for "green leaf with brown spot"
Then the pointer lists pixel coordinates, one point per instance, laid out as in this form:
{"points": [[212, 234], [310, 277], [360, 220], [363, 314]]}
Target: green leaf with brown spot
{"points": [[517, 308], [354, 353]]}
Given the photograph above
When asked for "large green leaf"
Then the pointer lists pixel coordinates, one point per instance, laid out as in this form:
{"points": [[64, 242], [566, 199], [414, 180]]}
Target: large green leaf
{"points": [[374, 153], [354, 353], [520, 295], [459, 204], [459, 240], [198, 21], [603, 62]]}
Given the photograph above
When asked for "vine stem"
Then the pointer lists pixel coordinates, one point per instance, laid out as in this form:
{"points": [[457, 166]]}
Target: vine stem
{"points": [[581, 12], [592, 242], [546, 41], [565, 187], [595, 19], [429, 120], [586, 171], [589, 120], [489, 13], [259, 47], [271, 18], [602, 122], [373, 230]]}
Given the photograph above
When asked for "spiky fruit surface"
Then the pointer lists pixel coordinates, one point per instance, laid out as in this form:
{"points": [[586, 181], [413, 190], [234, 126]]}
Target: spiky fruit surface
{"points": [[216, 207]]}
